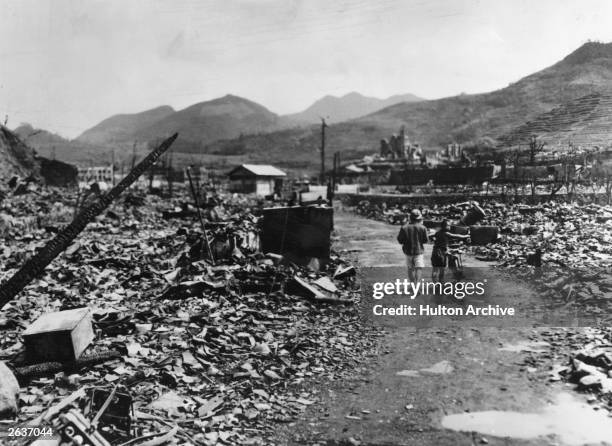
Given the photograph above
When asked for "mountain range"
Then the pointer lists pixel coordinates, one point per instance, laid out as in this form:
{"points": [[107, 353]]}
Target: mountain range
{"points": [[37, 137], [122, 128], [225, 118], [466, 118], [350, 106], [236, 127]]}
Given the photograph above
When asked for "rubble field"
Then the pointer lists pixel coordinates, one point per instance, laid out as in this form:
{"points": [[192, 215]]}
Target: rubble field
{"points": [[195, 343]]}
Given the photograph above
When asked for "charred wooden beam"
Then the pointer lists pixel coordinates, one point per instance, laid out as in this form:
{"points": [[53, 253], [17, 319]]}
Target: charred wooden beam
{"points": [[49, 368], [35, 266], [196, 201]]}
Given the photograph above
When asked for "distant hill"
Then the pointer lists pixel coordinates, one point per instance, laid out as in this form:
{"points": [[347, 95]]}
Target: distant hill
{"points": [[197, 125], [54, 146], [37, 137], [225, 118], [435, 123], [222, 118], [350, 106], [122, 128]]}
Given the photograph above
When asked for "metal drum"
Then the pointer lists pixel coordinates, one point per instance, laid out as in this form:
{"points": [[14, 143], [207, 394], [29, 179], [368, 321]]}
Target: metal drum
{"points": [[482, 235]]}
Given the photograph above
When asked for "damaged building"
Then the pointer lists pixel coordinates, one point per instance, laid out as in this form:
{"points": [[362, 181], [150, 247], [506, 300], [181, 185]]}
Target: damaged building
{"points": [[258, 179]]}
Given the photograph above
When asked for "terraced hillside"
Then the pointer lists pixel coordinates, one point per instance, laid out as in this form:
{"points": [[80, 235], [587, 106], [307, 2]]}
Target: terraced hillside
{"points": [[585, 121]]}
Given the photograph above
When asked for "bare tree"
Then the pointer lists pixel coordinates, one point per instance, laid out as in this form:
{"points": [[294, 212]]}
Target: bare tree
{"points": [[534, 147]]}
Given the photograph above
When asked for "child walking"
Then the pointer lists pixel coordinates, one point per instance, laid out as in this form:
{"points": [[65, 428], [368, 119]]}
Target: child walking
{"points": [[440, 247]]}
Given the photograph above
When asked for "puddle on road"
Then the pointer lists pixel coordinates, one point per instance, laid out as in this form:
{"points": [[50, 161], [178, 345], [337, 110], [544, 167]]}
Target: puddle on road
{"points": [[572, 421], [525, 346], [410, 373], [438, 368]]}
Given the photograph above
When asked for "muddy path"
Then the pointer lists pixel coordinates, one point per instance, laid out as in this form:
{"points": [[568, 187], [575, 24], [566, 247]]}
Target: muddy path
{"points": [[421, 380]]}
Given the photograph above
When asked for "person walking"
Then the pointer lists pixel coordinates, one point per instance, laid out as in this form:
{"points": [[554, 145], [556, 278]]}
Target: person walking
{"points": [[440, 247], [413, 236]]}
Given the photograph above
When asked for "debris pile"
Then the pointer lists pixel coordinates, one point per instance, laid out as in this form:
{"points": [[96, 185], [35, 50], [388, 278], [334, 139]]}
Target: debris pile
{"points": [[592, 369], [33, 213], [207, 345], [582, 357]]}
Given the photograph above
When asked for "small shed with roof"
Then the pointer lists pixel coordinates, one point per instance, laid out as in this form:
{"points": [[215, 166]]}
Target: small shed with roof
{"points": [[259, 179]]}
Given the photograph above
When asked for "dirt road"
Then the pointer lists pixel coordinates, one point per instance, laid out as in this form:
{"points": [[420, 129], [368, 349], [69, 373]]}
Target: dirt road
{"points": [[403, 394]]}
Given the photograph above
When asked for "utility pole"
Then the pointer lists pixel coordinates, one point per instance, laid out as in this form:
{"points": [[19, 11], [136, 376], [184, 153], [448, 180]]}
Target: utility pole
{"points": [[113, 167], [335, 171], [338, 163], [323, 127], [134, 155], [333, 182]]}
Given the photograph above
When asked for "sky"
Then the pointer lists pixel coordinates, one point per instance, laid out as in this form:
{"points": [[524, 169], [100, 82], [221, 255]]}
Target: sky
{"points": [[67, 64]]}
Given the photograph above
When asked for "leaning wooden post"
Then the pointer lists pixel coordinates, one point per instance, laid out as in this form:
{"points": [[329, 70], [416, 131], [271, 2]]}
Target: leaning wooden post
{"points": [[36, 264]]}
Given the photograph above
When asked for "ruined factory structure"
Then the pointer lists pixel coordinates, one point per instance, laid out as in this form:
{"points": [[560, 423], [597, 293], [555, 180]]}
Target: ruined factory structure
{"points": [[567, 144]]}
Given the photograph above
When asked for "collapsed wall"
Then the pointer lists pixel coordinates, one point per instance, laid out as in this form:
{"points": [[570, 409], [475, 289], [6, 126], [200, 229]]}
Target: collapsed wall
{"points": [[58, 173]]}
